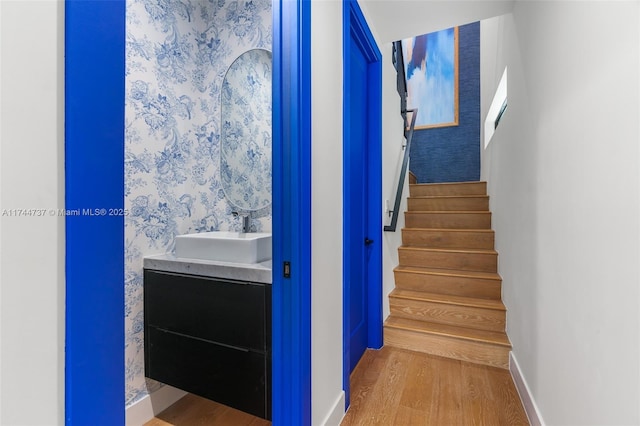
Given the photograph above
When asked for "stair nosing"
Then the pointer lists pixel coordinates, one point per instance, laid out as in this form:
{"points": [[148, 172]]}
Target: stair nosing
{"points": [[460, 273], [471, 182], [426, 327], [482, 230], [450, 250], [448, 299], [448, 211], [423, 197]]}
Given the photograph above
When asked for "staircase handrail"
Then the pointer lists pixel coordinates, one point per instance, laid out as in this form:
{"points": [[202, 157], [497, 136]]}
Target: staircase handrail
{"points": [[401, 86], [403, 172], [401, 80]]}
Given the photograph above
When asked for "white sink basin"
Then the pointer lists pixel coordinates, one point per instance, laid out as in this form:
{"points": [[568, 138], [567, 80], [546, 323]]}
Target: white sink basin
{"points": [[237, 247]]}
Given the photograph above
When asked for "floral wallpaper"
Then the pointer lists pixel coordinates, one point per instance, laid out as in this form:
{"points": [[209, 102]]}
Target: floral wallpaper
{"points": [[177, 54]]}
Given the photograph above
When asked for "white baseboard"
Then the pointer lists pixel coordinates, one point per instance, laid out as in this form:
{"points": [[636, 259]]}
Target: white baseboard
{"points": [[335, 415], [146, 408], [529, 403]]}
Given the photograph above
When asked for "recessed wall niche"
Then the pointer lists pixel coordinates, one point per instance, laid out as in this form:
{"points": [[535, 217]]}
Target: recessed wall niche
{"points": [[497, 109]]}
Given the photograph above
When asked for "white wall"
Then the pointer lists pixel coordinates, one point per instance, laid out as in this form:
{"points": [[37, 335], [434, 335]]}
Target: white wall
{"points": [[326, 204], [564, 185], [397, 19], [32, 247], [392, 156]]}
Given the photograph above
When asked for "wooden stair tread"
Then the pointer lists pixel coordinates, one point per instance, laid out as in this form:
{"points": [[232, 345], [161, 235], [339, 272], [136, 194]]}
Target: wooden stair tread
{"points": [[452, 212], [461, 230], [450, 219], [449, 188], [444, 184], [435, 202], [483, 238], [448, 272], [448, 299], [463, 333], [449, 250], [430, 197]]}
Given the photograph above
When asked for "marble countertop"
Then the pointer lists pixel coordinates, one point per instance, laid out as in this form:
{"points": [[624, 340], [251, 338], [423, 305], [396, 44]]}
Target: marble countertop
{"points": [[254, 272]]}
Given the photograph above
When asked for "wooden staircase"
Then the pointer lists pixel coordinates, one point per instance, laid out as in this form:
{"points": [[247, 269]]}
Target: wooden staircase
{"points": [[447, 299]]}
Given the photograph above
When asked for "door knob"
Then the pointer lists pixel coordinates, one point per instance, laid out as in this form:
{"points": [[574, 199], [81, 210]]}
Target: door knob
{"points": [[367, 242]]}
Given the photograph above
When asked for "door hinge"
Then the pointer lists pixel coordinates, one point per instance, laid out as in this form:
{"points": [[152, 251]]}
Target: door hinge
{"points": [[286, 270]]}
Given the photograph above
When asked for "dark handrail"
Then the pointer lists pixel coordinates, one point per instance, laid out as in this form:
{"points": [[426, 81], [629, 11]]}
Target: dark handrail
{"points": [[401, 79], [401, 85], [403, 172]]}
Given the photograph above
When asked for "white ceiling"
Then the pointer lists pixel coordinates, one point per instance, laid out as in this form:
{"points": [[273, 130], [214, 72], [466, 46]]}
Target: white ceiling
{"points": [[392, 20]]}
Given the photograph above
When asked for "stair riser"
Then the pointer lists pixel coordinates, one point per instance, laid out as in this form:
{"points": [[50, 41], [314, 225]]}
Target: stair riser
{"points": [[442, 313], [444, 284], [483, 262], [448, 239], [468, 188], [447, 204], [449, 347], [448, 220]]}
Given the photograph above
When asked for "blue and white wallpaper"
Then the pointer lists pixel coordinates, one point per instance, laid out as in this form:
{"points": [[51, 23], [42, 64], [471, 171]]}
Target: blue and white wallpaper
{"points": [[177, 54]]}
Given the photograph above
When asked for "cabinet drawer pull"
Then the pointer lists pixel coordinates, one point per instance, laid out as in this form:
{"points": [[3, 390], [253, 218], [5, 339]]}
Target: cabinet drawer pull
{"points": [[202, 340]]}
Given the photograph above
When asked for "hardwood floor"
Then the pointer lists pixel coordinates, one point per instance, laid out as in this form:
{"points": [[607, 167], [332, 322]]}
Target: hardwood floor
{"points": [[393, 387], [397, 387], [195, 411]]}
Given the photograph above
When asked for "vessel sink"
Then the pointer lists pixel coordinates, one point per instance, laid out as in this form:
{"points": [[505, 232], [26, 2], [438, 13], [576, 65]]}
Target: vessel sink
{"points": [[236, 247]]}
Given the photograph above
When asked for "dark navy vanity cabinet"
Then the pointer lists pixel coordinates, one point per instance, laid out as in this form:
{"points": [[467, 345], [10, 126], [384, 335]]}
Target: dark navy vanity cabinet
{"points": [[210, 337]]}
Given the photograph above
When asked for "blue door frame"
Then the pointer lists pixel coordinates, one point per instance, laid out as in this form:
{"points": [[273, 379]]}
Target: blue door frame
{"points": [[292, 212], [354, 24], [94, 178]]}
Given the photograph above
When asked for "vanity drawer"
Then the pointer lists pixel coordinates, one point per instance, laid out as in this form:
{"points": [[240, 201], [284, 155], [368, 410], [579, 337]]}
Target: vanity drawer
{"points": [[230, 376], [222, 311]]}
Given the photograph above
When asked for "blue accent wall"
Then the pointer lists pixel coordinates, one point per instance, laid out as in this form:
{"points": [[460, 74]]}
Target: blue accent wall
{"points": [[452, 154]]}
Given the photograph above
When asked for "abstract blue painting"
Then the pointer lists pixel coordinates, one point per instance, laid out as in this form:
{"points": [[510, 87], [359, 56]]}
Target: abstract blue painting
{"points": [[431, 67]]}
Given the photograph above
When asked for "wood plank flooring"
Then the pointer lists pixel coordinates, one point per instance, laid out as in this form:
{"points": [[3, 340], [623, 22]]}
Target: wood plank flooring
{"points": [[397, 387], [393, 387], [193, 410]]}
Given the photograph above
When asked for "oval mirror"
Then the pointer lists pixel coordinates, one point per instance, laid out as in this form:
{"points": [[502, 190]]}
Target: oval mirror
{"points": [[245, 142]]}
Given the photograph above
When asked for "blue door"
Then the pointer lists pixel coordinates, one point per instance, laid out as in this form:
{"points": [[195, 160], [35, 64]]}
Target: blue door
{"points": [[362, 188], [357, 178]]}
